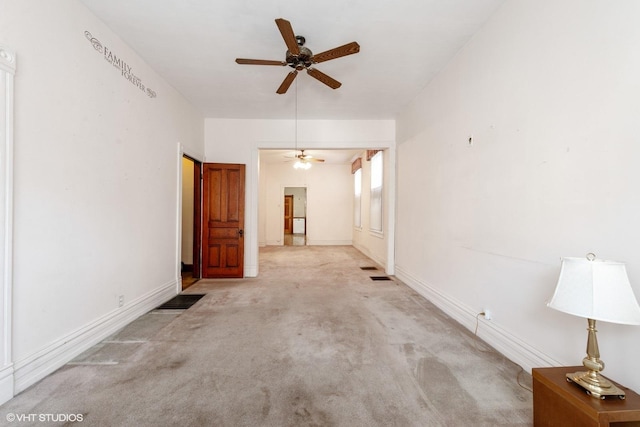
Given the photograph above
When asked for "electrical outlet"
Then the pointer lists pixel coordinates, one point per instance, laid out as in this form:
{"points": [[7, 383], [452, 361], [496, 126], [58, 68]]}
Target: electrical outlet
{"points": [[487, 314], [120, 300]]}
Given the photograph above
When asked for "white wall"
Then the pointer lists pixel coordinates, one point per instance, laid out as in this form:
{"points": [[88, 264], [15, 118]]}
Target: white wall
{"points": [[96, 184], [239, 141], [329, 202], [549, 90]]}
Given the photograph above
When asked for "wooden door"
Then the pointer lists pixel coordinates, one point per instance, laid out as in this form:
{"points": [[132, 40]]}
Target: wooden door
{"points": [[222, 220], [288, 214]]}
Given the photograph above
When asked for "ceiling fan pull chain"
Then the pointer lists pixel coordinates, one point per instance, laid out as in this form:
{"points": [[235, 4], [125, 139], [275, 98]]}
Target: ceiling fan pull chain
{"points": [[296, 122]]}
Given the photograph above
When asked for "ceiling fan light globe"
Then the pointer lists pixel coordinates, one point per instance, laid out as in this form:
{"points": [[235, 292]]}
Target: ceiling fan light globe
{"points": [[300, 164]]}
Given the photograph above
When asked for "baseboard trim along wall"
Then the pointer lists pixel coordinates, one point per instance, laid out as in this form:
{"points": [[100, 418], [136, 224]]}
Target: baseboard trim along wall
{"points": [[35, 367], [6, 383], [311, 242], [366, 252], [503, 341]]}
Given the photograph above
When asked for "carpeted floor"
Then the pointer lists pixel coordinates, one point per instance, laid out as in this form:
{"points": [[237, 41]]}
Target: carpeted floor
{"points": [[312, 342]]}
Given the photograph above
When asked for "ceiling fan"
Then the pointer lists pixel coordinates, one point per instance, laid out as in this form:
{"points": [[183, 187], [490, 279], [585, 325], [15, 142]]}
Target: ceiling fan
{"points": [[300, 58], [306, 158]]}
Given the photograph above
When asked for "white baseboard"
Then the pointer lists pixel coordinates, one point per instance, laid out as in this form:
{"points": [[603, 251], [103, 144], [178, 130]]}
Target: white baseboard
{"points": [[329, 242], [32, 369], [366, 252], [311, 242], [503, 341], [6, 383], [251, 271]]}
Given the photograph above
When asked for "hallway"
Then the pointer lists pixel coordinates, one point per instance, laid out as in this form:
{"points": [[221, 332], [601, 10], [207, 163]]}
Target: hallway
{"points": [[313, 341], [295, 239]]}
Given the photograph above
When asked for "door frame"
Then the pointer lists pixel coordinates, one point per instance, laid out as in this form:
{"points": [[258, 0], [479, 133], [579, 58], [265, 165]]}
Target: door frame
{"points": [[7, 370], [306, 201], [253, 194], [197, 215]]}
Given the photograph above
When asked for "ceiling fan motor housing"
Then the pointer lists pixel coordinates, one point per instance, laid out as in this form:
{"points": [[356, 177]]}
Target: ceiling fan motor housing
{"points": [[300, 61]]}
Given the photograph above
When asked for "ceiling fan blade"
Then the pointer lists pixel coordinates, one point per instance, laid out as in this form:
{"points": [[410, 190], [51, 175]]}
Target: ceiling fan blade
{"points": [[319, 75], [314, 160], [344, 50], [259, 62], [287, 82], [288, 35]]}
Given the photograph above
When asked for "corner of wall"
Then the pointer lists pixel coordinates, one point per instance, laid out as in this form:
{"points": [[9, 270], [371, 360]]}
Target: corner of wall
{"points": [[365, 250]]}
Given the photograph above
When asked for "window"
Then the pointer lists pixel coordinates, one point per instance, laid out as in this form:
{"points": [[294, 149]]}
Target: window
{"points": [[357, 192], [376, 192]]}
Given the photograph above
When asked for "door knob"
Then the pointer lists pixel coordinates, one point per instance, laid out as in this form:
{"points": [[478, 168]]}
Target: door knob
{"points": [[241, 232]]}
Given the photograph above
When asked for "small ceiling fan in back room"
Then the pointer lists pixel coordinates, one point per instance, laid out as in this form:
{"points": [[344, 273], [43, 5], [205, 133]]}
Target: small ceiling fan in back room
{"points": [[301, 58], [303, 161]]}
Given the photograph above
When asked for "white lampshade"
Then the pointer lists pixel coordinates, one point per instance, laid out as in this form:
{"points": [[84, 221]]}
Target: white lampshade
{"points": [[596, 289]]}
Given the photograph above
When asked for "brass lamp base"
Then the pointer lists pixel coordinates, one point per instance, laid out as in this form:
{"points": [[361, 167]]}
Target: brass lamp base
{"points": [[592, 381], [595, 384]]}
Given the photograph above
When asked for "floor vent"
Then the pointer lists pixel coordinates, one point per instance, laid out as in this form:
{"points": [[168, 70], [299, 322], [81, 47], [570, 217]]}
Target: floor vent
{"points": [[180, 302], [380, 278], [368, 268]]}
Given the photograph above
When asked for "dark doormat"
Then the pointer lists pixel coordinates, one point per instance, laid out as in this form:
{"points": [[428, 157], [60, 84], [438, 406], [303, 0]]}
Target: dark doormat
{"points": [[368, 268], [180, 302], [380, 277]]}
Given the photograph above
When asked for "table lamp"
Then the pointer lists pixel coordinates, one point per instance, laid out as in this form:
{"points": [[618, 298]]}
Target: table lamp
{"points": [[596, 290]]}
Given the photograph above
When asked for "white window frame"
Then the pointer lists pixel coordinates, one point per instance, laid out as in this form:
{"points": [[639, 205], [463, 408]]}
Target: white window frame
{"points": [[376, 219], [357, 199]]}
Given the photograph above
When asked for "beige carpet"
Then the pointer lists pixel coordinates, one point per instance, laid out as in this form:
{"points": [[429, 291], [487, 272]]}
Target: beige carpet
{"points": [[312, 342]]}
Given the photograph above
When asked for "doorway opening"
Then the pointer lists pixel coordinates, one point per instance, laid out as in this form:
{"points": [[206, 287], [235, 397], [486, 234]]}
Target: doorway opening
{"points": [[295, 216], [190, 248]]}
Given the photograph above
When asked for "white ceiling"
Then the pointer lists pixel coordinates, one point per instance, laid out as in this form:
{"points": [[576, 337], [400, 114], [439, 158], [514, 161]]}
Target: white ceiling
{"points": [[193, 44]]}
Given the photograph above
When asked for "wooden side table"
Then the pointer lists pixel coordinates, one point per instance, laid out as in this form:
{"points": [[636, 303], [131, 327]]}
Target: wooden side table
{"points": [[557, 402]]}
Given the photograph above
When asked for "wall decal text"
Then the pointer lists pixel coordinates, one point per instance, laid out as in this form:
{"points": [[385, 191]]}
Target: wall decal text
{"points": [[120, 64]]}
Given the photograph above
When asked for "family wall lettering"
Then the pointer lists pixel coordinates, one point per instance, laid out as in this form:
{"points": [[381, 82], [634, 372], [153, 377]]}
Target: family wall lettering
{"points": [[118, 63]]}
